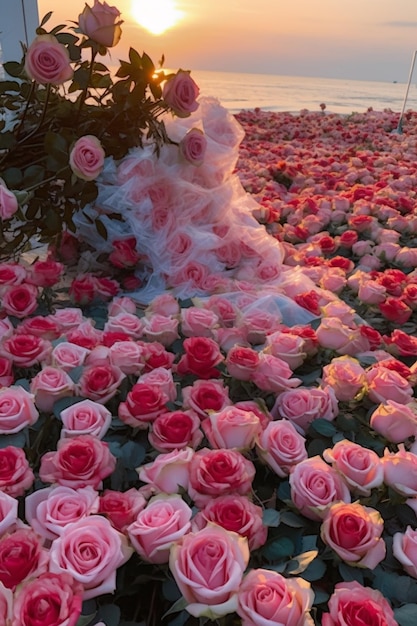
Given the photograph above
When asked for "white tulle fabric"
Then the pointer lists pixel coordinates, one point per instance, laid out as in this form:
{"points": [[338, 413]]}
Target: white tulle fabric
{"points": [[194, 226]]}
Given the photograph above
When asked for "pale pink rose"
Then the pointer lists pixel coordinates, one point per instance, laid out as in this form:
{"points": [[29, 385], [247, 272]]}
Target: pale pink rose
{"points": [[56, 597], [17, 410], [346, 377], [8, 202], [8, 513], [305, 404], [236, 514], [315, 485], [394, 421], [128, 356], [334, 335], [78, 462], [228, 338], [50, 510], [163, 379], [288, 347], [168, 473], [164, 304], [87, 157], [121, 304], [258, 324], [45, 273], [68, 318], [121, 508], [205, 396], [100, 382], [164, 520], [99, 355], [6, 605], [224, 309], [6, 372], [49, 385], [274, 374], [232, 427], [266, 597], [16, 476], [103, 551], [407, 257], [175, 430], [6, 328], [180, 93], [20, 300], [351, 603], [334, 280], [47, 61], [354, 532], [217, 473], [400, 471], [242, 362], [198, 322], [101, 23], [281, 447], [85, 418], [339, 310], [125, 323], [12, 273], [155, 355], [208, 567], [360, 467], [404, 548], [66, 355], [371, 292], [22, 557], [193, 146], [161, 328], [85, 335], [385, 384]]}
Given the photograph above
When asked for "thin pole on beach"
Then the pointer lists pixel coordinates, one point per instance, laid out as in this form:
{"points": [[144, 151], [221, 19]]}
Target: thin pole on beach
{"points": [[400, 121]]}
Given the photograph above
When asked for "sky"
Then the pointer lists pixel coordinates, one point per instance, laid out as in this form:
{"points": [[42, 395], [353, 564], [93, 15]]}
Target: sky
{"points": [[351, 39]]}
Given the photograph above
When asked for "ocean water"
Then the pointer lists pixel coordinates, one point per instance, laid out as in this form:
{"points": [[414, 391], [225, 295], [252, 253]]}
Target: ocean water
{"points": [[293, 93]]}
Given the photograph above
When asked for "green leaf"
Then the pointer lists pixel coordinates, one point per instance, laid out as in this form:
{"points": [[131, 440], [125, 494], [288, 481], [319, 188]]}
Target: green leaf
{"points": [[12, 68], [170, 590], [292, 520], [109, 614], [271, 517], [33, 175], [178, 606], [323, 427], [9, 85], [406, 615], [350, 574], [298, 564], [18, 440], [64, 403], [278, 549], [46, 18], [84, 620], [135, 58], [101, 229], [132, 454], [315, 570]]}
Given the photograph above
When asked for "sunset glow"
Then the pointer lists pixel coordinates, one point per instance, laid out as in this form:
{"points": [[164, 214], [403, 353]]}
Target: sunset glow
{"points": [[157, 17]]}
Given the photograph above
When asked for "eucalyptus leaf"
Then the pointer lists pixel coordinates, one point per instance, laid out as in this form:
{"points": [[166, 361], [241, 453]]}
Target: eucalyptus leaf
{"points": [[406, 615], [109, 614], [271, 517]]}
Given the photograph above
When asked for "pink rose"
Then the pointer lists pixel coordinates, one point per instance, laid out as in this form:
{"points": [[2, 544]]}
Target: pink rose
{"points": [[144, 403], [168, 473], [236, 514], [121, 508], [175, 430], [49, 385], [360, 467], [354, 532], [16, 476], [164, 304], [6, 372], [8, 513], [91, 551], [242, 362], [121, 304], [67, 356], [20, 300], [394, 421], [17, 410], [334, 335], [50, 510], [100, 383], [8, 202], [85, 418], [68, 318], [193, 146], [155, 355], [127, 323], [404, 548], [87, 157], [128, 356], [198, 322], [351, 603], [26, 350], [205, 396], [305, 404], [385, 384], [78, 462], [45, 273], [289, 348], [164, 521], [273, 374], [232, 427], [53, 599], [124, 254], [180, 93], [45, 327], [161, 328], [47, 61], [281, 447], [266, 597], [201, 356], [85, 335], [12, 273], [346, 377], [208, 567], [400, 471], [6, 604], [219, 472], [21, 557], [162, 378], [314, 486], [101, 24]]}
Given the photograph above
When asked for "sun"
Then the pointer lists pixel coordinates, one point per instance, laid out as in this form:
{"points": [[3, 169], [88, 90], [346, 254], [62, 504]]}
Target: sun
{"points": [[156, 16]]}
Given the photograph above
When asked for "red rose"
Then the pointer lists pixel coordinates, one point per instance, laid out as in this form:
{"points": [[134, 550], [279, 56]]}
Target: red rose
{"points": [[201, 356]]}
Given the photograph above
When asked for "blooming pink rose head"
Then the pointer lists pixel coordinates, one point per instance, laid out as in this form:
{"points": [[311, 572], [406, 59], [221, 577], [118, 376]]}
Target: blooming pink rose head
{"points": [[87, 157], [281, 447], [180, 93], [100, 382], [208, 567], [21, 557], [386, 384], [47, 61], [49, 385], [8, 202], [405, 550], [360, 467], [305, 404], [352, 603], [121, 508], [346, 377], [20, 300], [168, 473], [193, 146], [400, 471], [103, 551], [267, 597], [232, 427], [16, 476], [205, 396], [273, 374], [101, 23], [85, 418], [175, 430], [394, 421], [17, 410]]}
